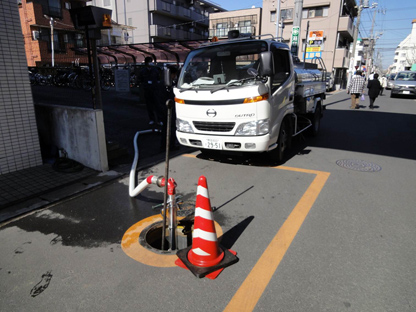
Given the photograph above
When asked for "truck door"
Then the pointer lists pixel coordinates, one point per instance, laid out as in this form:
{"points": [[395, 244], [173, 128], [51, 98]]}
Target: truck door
{"points": [[282, 87]]}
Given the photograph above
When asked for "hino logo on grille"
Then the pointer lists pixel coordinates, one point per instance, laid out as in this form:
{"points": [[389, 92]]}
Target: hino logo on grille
{"points": [[211, 113]]}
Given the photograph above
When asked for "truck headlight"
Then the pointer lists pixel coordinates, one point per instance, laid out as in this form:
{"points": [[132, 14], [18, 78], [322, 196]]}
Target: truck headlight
{"points": [[259, 127], [183, 126]]}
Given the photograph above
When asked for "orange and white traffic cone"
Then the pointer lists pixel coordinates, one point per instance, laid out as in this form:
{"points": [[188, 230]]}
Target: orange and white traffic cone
{"points": [[205, 257]]}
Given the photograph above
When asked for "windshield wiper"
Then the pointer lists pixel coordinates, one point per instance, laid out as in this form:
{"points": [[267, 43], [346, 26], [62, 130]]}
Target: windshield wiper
{"points": [[196, 87], [239, 82]]}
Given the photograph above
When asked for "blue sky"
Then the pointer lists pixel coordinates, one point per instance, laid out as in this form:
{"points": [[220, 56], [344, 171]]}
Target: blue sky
{"points": [[393, 20]]}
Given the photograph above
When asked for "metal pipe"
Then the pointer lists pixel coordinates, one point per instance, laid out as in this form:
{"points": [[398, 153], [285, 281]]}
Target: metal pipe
{"points": [[52, 43], [132, 190], [169, 107]]}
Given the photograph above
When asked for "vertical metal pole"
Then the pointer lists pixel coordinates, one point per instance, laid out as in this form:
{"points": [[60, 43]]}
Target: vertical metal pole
{"points": [[87, 35], [169, 107], [306, 44], [370, 53], [97, 85], [52, 42], [297, 21], [172, 223], [277, 18], [355, 38]]}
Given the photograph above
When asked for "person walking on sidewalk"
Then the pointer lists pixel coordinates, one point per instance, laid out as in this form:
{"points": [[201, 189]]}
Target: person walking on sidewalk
{"points": [[149, 82], [374, 88], [383, 82], [355, 88]]}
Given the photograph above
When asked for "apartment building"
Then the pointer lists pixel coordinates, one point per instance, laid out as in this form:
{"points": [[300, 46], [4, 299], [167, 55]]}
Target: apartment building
{"points": [[162, 20], [41, 21], [405, 54], [332, 18], [19, 141], [246, 21]]}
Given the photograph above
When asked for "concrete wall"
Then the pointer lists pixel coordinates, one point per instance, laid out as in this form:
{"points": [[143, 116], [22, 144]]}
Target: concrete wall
{"points": [[19, 142], [79, 131]]}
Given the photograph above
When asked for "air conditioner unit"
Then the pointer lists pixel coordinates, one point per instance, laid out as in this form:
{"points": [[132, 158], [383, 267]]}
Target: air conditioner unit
{"points": [[35, 34]]}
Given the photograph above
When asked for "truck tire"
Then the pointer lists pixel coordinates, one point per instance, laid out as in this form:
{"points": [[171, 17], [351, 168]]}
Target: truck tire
{"points": [[283, 142], [316, 120]]}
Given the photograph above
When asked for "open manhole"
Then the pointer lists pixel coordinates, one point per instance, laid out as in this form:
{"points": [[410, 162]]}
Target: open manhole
{"points": [[151, 237], [358, 165]]}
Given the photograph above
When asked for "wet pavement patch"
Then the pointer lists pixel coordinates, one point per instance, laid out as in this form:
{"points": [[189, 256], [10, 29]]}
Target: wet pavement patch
{"points": [[358, 165]]}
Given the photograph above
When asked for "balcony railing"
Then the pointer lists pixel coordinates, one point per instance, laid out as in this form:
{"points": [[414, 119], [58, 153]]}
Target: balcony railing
{"points": [[173, 34], [165, 8], [345, 26], [341, 59]]}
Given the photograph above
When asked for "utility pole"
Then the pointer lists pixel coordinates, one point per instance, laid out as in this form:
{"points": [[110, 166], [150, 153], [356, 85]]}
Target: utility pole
{"points": [[297, 19], [277, 18], [370, 52], [355, 38]]}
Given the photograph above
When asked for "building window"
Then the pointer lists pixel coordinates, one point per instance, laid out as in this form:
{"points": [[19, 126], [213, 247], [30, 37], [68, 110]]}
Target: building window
{"points": [[53, 8], [315, 12], [286, 14], [67, 5], [130, 21], [107, 3], [79, 42], [273, 16]]}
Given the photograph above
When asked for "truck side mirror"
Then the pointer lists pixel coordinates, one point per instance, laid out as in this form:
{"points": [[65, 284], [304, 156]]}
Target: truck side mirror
{"points": [[166, 77], [266, 67]]}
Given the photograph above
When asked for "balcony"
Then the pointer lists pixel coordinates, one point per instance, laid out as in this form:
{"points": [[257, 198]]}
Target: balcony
{"points": [[172, 10], [173, 34], [341, 59], [345, 27]]}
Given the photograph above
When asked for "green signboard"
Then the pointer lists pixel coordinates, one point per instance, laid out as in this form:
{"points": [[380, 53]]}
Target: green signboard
{"points": [[295, 40]]}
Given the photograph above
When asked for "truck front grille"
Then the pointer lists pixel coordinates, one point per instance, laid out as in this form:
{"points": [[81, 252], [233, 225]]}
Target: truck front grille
{"points": [[214, 126]]}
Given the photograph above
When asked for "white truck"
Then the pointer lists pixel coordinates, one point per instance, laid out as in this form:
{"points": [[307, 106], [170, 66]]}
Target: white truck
{"points": [[246, 95]]}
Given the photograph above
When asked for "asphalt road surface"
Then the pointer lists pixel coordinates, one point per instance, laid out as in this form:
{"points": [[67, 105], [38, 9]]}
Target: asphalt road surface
{"points": [[331, 229]]}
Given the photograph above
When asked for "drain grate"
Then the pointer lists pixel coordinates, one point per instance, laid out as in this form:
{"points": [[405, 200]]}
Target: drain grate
{"points": [[358, 165]]}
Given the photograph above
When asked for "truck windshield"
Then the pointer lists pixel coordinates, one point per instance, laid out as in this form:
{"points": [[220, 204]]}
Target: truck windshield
{"points": [[221, 64]]}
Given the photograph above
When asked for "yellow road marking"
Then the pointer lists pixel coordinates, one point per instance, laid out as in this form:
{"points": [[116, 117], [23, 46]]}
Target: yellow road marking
{"points": [[249, 293]]}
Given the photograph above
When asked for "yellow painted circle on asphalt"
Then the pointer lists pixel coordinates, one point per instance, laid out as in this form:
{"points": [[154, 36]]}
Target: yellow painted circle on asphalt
{"points": [[131, 246]]}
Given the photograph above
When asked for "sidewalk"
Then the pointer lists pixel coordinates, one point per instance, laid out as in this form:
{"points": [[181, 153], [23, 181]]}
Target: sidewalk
{"points": [[33, 188]]}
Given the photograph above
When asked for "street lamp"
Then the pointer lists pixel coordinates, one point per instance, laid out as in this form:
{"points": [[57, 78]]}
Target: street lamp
{"points": [[51, 22]]}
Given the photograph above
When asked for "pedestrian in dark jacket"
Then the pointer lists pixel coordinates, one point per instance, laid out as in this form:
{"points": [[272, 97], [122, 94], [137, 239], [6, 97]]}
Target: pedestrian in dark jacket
{"points": [[374, 88], [150, 84]]}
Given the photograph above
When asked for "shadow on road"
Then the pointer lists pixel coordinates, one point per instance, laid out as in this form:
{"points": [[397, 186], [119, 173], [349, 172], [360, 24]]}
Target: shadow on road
{"points": [[372, 132]]}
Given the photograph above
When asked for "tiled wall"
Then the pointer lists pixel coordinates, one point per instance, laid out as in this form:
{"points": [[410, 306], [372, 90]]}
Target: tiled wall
{"points": [[19, 141]]}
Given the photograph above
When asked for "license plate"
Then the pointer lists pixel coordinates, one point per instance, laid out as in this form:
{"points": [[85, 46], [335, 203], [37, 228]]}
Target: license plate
{"points": [[406, 92], [212, 144]]}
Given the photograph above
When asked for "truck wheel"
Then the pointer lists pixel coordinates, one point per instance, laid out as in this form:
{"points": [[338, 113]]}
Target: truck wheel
{"points": [[283, 142], [316, 121]]}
